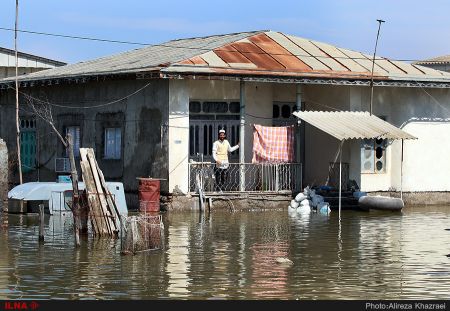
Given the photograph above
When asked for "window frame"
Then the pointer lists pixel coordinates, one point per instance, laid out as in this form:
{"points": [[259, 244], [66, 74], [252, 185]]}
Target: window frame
{"points": [[117, 146], [76, 140]]}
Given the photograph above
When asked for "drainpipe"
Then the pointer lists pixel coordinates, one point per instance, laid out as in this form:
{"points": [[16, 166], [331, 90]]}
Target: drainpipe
{"points": [[242, 136], [298, 158]]}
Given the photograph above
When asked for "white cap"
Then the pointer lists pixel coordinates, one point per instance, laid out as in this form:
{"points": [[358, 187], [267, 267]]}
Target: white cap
{"points": [[222, 131]]}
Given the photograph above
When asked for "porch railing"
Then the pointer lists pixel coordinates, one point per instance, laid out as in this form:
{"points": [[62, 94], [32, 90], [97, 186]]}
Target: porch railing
{"points": [[259, 177]]}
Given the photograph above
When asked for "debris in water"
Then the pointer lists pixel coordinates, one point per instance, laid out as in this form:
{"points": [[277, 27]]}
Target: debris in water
{"points": [[282, 260]]}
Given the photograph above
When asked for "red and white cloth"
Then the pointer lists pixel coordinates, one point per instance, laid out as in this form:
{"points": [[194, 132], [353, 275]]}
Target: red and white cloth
{"points": [[273, 144]]}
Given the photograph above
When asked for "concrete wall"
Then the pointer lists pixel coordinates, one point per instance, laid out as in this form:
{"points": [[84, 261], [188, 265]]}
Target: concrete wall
{"points": [[178, 135], [4, 173], [141, 117], [424, 113]]}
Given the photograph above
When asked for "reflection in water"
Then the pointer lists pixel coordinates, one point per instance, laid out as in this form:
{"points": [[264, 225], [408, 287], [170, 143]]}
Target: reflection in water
{"points": [[223, 255], [178, 261]]}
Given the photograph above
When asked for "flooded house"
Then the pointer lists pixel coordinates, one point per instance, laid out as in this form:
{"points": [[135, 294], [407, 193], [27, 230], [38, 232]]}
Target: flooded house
{"points": [[26, 63], [156, 111]]}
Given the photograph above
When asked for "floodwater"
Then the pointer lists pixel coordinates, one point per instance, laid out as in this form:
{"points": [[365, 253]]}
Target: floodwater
{"points": [[237, 255]]}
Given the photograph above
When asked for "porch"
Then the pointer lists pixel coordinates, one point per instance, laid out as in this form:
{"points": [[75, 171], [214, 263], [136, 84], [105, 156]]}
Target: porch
{"points": [[268, 178]]}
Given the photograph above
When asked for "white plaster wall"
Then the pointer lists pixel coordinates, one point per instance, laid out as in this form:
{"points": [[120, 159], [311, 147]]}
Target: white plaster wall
{"points": [[426, 162], [420, 112], [178, 135]]}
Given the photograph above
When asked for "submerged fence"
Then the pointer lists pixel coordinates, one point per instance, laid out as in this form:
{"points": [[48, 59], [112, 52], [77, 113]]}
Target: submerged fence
{"points": [[142, 232], [247, 177]]}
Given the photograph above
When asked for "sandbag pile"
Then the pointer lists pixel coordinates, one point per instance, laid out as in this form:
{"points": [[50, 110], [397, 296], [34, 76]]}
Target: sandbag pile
{"points": [[308, 201]]}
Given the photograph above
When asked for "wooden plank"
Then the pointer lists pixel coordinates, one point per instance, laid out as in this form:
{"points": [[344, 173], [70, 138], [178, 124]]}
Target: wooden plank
{"points": [[111, 202], [101, 194], [93, 198], [96, 221]]}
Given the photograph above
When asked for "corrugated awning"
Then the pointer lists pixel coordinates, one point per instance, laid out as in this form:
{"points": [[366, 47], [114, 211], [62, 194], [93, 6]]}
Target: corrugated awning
{"points": [[352, 125]]}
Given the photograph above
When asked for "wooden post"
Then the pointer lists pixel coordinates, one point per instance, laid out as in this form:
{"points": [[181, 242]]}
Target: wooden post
{"points": [[75, 193], [41, 223]]}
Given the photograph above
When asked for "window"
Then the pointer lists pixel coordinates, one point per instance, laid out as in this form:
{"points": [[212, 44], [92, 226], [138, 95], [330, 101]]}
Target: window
{"points": [[75, 132], [373, 155], [205, 120], [28, 144], [195, 107], [285, 111], [282, 113], [113, 143]]}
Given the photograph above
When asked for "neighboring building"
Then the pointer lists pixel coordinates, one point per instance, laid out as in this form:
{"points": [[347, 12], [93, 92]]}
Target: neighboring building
{"points": [[438, 63], [151, 111], [27, 63]]}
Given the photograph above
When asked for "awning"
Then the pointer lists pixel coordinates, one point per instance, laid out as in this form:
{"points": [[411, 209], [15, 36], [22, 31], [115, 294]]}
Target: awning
{"points": [[352, 125]]}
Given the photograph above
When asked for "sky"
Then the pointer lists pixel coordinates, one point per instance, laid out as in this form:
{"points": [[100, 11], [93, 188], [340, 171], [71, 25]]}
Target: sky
{"points": [[413, 30]]}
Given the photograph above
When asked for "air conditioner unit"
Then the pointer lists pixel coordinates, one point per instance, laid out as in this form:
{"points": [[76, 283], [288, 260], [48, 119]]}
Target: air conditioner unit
{"points": [[62, 165]]}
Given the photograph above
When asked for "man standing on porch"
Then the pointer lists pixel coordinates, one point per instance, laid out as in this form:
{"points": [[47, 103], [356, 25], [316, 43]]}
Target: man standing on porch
{"points": [[220, 150]]}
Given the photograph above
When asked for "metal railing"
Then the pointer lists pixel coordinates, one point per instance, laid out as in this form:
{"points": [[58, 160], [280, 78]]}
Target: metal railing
{"points": [[258, 177]]}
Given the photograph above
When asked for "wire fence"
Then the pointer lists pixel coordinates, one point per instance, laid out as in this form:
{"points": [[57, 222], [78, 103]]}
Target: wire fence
{"points": [[140, 233]]}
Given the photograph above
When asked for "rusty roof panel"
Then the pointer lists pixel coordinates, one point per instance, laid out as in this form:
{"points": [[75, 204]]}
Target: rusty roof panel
{"points": [[213, 60], [245, 46], [293, 48], [264, 61], [268, 45], [232, 56], [261, 53], [291, 62], [340, 57], [197, 60], [187, 62]]}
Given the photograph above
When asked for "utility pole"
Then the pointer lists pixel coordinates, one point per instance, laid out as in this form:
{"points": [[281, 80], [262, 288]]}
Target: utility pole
{"points": [[373, 63], [19, 161]]}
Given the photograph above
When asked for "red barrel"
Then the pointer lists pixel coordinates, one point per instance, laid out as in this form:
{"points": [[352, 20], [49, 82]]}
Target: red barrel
{"points": [[149, 194]]}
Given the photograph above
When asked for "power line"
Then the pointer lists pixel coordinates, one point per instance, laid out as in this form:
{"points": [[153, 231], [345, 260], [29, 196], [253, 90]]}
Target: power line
{"points": [[40, 101], [186, 47]]}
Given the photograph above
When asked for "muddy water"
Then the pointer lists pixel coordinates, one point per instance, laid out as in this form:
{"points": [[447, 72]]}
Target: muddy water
{"points": [[240, 255]]}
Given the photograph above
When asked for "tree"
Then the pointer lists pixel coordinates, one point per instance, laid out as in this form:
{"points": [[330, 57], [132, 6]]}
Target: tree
{"points": [[42, 109]]}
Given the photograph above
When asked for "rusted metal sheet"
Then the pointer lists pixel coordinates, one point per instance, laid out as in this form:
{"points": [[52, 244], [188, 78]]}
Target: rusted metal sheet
{"points": [[197, 60], [294, 49], [260, 53], [245, 46], [264, 61], [213, 60], [279, 53], [231, 55]]}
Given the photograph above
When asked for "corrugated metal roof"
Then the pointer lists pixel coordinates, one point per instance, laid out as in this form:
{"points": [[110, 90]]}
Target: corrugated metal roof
{"points": [[142, 59], [445, 59], [345, 125], [31, 57], [258, 53]]}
